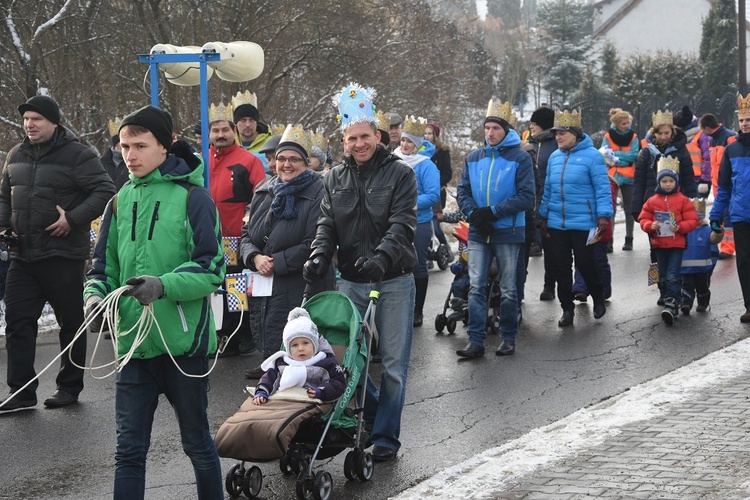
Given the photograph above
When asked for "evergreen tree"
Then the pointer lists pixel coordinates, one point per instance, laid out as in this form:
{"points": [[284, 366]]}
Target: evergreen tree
{"points": [[507, 10], [718, 50], [610, 61], [564, 35]]}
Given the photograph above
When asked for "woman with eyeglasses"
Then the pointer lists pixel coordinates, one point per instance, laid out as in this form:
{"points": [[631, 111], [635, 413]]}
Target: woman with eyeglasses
{"points": [[276, 240]]}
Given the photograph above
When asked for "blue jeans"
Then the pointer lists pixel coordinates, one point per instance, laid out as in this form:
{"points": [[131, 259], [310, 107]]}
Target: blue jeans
{"points": [[480, 259], [137, 394], [670, 263], [422, 239], [394, 319]]}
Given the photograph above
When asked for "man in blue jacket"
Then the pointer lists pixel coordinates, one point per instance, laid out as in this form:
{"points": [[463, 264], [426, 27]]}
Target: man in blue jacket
{"points": [[496, 188], [732, 198]]}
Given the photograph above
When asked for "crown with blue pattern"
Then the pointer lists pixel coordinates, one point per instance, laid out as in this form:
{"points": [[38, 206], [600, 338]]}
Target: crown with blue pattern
{"points": [[355, 105]]}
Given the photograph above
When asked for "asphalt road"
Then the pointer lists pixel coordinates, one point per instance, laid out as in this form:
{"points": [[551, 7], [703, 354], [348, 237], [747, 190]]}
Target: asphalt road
{"points": [[454, 410]]}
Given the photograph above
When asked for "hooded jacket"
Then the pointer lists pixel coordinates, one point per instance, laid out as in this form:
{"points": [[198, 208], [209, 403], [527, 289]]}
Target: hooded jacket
{"points": [[36, 178], [734, 179], [164, 224], [368, 212], [682, 210], [544, 145], [577, 190], [501, 177], [428, 180]]}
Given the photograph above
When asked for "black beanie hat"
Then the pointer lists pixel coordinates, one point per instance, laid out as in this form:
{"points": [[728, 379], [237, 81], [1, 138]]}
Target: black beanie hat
{"points": [[158, 121], [197, 128], [499, 121], [244, 110], [683, 117], [544, 117], [45, 106], [293, 146], [385, 137]]}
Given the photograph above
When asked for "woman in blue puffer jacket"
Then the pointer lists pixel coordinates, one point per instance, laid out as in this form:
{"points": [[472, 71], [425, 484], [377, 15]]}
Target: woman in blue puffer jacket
{"points": [[577, 199]]}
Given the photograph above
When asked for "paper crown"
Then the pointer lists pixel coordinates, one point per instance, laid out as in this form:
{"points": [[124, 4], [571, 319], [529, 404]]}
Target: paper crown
{"points": [[567, 118], [114, 126], [244, 98], [277, 128], [513, 120], [668, 163], [297, 135], [499, 109], [220, 112], [415, 125], [743, 104], [382, 121], [355, 105], [320, 141], [700, 207], [661, 118]]}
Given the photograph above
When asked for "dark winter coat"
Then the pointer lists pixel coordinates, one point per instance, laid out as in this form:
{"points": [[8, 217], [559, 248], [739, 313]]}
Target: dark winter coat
{"points": [[288, 242], [36, 178], [544, 145], [364, 214], [734, 182], [116, 168], [442, 160], [644, 184]]}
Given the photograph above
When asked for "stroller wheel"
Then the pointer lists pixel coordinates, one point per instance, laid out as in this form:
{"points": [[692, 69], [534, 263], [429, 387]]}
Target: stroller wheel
{"points": [[285, 464], [443, 257], [252, 482], [365, 466], [323, 486], [440, 322], [233, 480], [451, 325], [304, 486], [349, 465]]}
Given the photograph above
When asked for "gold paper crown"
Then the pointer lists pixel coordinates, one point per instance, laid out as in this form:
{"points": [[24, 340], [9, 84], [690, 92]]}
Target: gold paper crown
{"points": [[499, 109], [415, 125], [246, 98], [383, 122], [661, 118], [513, 120], [668, 163], [114, 126], [567, 118], [297, 135], [743, 104], [700, 206], [277, 128], [220, 112], [319, 141]]}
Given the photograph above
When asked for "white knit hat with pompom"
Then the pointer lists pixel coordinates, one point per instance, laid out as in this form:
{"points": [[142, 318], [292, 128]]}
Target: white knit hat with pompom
{"points": [[298, 325]]}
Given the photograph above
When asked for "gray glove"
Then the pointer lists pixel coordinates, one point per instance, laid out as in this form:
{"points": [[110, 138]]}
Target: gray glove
{"points": [[146, 289], [91, 304]]}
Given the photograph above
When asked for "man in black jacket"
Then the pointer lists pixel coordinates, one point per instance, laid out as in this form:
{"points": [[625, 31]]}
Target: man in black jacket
{"points": [[369, 215], [52, 187]]}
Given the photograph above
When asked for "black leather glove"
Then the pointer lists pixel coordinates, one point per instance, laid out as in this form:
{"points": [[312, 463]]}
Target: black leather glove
{"points": [[315, 268], [183, 150], [716, 226], [146, 289], [96, 319], [481, 215], [370, 269]]}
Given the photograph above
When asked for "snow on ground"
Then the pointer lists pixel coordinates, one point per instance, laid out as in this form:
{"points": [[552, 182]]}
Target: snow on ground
{"points": [[477, 477]]}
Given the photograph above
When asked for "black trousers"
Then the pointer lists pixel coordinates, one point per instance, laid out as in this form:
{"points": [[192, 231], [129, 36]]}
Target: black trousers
{"points": [[742, 251], [28, 286], [565, 244]]}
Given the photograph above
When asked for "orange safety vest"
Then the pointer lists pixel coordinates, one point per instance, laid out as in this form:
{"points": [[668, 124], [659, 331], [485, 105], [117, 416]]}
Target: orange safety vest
{"points": [[624, 170], [717, 153], [696, 155], [525, 135], [644, 143]]}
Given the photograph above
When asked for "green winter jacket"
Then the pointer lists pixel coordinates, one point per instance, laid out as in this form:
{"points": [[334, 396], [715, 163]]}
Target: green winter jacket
{"points": [[164, 224]]}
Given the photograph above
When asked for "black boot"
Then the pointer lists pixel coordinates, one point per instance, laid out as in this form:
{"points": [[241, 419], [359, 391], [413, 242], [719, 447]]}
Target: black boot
{"points": [[421, 284], [628, 244], [599, 308], [566, 319], [703, 302]]}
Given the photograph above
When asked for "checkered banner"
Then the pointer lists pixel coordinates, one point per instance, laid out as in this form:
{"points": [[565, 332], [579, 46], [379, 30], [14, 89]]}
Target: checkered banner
{"points": [[231, 250], [236, 287], [96, 226]]}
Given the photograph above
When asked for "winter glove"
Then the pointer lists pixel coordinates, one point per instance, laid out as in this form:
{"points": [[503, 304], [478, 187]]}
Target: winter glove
{"points": [[543, 229], [183, 150], [716, 226], [370, 269], [703, 188], [315, 268], [145, 289], [98, 319], [482, 215]]}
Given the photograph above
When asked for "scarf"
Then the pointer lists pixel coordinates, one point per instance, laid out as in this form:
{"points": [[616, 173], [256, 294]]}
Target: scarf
{"points": [[412, 160], [622, 139], [295, 373], [283, 194]]}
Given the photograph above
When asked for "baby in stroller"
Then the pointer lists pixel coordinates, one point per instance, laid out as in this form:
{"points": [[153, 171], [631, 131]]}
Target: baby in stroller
{"points": [[308, 362]]}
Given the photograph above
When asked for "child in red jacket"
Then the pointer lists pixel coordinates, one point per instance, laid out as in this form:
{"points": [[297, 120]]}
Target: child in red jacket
{"points": [[667, 217]]}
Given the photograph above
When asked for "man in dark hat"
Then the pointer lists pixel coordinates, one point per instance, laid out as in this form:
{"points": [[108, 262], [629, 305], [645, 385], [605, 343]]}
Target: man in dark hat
{"points": [[54, 186], [251, 132], [162, 230], [396, 129], [112, 159]]}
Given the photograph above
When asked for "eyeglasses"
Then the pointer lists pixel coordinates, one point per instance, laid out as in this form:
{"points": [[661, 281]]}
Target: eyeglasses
{"points": [[294, 160]]}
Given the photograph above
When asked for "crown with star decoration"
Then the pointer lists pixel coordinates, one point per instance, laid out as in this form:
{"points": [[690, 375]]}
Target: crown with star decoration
{"points": [[220, 112], [743, 104], [246, 97], [415, 125], [661, 118], [355, 105], [668, 163], [499, 109], [298, 135], [114, 126], [567, 118]]}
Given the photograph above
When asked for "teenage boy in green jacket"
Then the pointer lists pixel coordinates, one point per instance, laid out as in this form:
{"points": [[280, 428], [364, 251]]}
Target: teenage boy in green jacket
{"points": [[161, 235]]}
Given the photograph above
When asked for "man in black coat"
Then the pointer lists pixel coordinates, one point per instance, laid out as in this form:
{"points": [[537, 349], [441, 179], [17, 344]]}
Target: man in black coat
{"points": [[52, 187]]}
